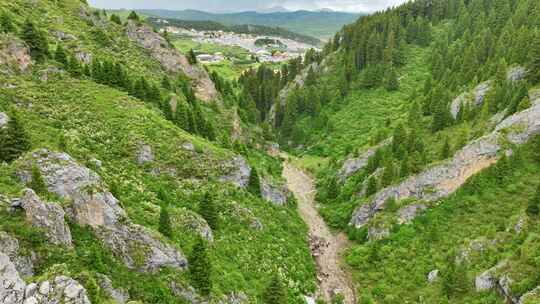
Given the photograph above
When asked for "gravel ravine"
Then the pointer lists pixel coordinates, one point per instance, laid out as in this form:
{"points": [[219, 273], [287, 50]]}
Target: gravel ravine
{"points": [[326, 247]]}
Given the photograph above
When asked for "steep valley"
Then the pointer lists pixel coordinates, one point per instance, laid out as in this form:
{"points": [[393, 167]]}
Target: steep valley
{"points": [[398, 164]]}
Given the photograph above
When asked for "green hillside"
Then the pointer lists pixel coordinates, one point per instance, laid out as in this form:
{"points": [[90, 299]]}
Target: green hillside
{"points": [[321, 25]]}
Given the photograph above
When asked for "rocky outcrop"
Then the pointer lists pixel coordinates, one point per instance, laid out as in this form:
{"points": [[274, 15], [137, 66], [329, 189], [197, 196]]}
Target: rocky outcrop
{"points": [[477, 96], [378, 233], [353, 165], [10, 247], [433, 276], [47, 216], [239, 172], [187, 220], [531, 297], [408, 213], [14, 53], [14, 290], [93, 205], [4, 118], [495, 278], [516, 73], [445, 178], [120, 296], [171, 60], [298, 81], [275, 194], [145, 155]]}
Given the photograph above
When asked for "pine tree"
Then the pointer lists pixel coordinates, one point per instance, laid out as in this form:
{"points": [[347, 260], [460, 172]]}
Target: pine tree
{"points": [[74, 67], [165, 222], [37, 184], [254, 185], [446, 149], [200, 268], [116, 19], [6, 23], [192, 58], [208, 211], [36, 40], [534, 59], [392, 83], [371, 186], [133, 16], [388, 174], [60, 55], [13, 140], [275, 292], [533, 206]]}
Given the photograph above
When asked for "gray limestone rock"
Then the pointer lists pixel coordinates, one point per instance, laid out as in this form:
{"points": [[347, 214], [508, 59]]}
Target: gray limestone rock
{"points": [[443, 179], [239, 172], [47, 216]]}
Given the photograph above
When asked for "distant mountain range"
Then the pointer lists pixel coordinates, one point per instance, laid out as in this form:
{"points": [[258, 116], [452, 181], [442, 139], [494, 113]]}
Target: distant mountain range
{"points": [[236, 28], [321, 24]]}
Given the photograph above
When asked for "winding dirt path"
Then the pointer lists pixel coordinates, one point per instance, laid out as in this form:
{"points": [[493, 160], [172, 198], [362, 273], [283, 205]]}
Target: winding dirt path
{"points": [[326, 247]]}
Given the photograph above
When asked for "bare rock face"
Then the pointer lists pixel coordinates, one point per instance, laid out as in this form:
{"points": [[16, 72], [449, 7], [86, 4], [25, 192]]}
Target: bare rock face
{"points": [[408, 213], [513, 74], [441, 180], [93, 205], [11, 285], [378, 233], [13, 52], [14, 290], [275, 194], [433, 276], [239, 172], [140, 249], [353, 165], [477, 98], [10, 247], [171, 60], [531, 297], [516, 73], [145, 155], [47, 216], [3, 120], [120, 296]]}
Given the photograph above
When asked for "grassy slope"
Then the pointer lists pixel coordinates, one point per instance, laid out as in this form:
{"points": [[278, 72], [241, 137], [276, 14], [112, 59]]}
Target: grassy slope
{"points": [[88, 121], [397, 268]]}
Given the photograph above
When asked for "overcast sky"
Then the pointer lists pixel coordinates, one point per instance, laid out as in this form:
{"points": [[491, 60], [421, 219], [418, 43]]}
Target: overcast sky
{"points": [[245, 5]]}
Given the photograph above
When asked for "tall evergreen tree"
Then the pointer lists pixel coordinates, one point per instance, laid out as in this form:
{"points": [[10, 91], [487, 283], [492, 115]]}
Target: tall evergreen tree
{"points": [[165, 221], [6, 23], [372, 186], [192, 58], [37, 183], [200, 268], [533, 206], [208, 211], [133, 16], [275, 292], [114, 18], [60, 55], [392, 83], [534, 59], [254, 185], [13, 140], [36, 40]]}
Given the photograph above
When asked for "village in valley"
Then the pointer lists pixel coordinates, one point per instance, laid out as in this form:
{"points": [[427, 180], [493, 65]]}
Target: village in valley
{"points": [[260, 48]]}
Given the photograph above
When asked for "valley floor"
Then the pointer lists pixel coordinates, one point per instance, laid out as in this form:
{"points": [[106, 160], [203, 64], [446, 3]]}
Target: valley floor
{"points": [[326, 247]]}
